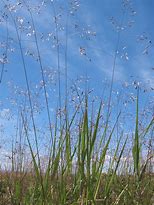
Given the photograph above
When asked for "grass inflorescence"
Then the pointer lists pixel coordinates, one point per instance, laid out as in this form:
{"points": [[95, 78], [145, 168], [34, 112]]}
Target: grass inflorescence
{"points": [[83, 151]]}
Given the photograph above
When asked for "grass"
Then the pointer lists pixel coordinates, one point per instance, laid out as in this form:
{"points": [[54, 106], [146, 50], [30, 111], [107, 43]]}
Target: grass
{"points": [[74, 174], [84, 163]]}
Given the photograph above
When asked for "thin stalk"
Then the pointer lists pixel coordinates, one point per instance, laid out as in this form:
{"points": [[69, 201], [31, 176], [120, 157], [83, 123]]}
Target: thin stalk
{"points": [[6, 50], [42, 72], [58, 58]]}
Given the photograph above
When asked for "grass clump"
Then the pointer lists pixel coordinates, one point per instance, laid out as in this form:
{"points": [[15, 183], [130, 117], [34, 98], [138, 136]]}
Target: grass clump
{"points": [[78, 154], [77, 173]]}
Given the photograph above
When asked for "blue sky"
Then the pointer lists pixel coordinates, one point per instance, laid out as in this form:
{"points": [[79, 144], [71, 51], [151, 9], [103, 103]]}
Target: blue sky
{"points": [[95, 16], [92, 42]]}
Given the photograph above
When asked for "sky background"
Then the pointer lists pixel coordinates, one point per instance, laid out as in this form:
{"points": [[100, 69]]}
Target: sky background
{"points": [[135, 49], [91, 29]]}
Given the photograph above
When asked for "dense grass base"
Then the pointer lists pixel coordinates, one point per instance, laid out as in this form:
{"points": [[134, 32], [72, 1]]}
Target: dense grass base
{"points": [[23, 189]]}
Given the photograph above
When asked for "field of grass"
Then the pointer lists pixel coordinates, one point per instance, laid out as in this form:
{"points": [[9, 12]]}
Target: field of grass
{"points": [[79, 154], [75, 174]]}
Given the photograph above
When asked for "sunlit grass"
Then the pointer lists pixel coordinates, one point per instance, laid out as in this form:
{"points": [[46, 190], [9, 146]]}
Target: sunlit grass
{"points": [[88, 160], [76, 174]]}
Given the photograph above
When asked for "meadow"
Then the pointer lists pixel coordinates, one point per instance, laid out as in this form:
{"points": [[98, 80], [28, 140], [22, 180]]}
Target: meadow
{"points": [[64, 140]]}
